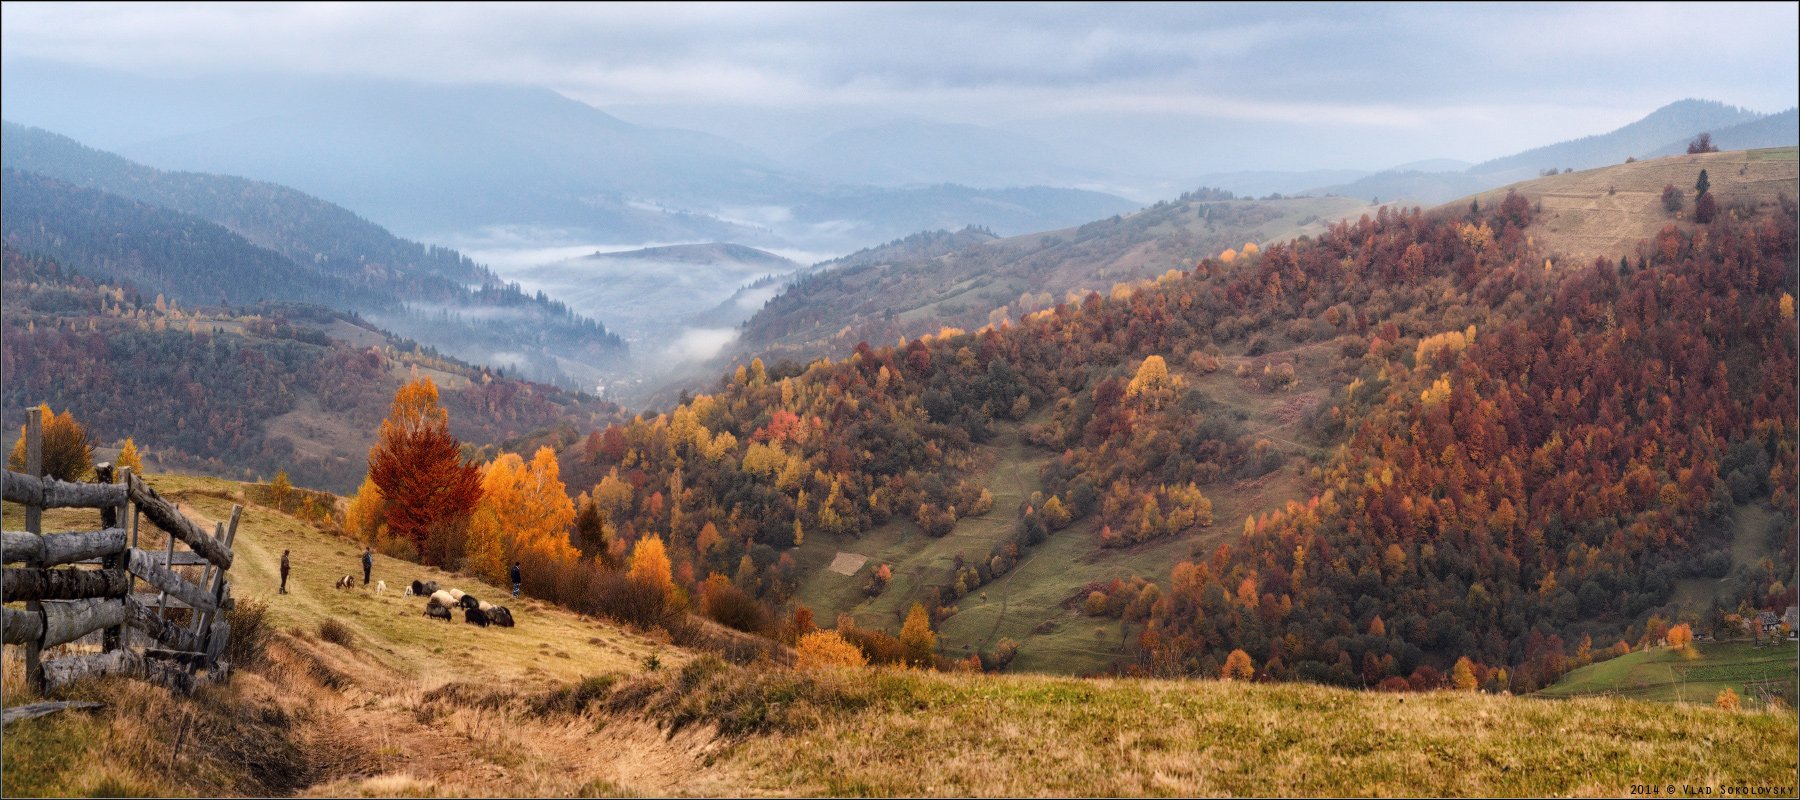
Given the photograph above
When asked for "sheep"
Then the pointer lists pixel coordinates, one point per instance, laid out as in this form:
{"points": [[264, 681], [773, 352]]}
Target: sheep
{"points": [[474, 616], [469, 601], [486, 606], [381, 587], [442, 599], [500, 615], [417, 589], [427, 588], [436, 611], [456, 593]]}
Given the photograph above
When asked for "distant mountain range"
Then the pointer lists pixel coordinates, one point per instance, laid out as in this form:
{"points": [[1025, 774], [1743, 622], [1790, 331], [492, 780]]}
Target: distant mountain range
{"points": [[218, 240], [435, 161], [1666, 131]]}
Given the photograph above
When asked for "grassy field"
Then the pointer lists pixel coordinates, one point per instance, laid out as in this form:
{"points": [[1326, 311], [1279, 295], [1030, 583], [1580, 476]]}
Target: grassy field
{"points": [[1695, 674], [568, 706], [1749, 544], [910, 734], [1607, 211]]}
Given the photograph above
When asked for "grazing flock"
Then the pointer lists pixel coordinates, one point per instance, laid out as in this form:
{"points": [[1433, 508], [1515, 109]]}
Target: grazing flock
{"points": [[440, 603]]}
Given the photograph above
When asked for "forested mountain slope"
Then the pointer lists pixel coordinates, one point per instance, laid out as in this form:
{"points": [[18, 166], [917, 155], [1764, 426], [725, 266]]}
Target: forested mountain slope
{"points": [[919, 284], [238, 391], [1504, 456]]}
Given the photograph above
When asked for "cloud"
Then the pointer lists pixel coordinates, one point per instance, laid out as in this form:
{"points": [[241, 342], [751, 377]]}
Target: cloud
{"points": [[1432, 77]]}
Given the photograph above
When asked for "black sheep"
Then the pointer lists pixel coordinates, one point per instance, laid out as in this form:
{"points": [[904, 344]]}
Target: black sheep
{"points": [[418, 589], [436, 611], [500, 615], [427, 588], [469, 602], [475, 616]]}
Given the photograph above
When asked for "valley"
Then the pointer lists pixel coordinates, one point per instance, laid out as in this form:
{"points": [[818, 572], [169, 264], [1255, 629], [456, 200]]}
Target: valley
{"points": [[899, 400]]}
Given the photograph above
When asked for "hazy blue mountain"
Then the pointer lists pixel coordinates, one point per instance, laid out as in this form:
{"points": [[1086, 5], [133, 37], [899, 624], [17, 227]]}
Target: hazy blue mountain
{"points": [[442, 162], [1682, 119], [1774, 130], [1260, 183], [912, 152], [1676, 122], [212, 239]]}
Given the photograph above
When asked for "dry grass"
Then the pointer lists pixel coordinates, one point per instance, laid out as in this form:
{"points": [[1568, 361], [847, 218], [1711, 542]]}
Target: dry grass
{"points": [[959, 735], [421, 708], [1607, 211]]}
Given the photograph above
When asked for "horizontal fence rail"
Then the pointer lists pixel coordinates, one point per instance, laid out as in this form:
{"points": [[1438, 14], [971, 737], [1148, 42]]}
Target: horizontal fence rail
{"points": [[77, 583]]}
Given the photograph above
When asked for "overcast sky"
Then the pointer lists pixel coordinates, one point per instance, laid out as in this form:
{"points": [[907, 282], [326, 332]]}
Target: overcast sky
{"points": [[1461, 81]]}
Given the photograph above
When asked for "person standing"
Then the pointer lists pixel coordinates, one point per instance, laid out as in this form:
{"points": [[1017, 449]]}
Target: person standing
{"points": [[284, 572], [515, 578], [368, 564]]}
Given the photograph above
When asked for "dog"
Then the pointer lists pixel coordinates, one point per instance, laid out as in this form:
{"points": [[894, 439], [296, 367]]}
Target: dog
{"points": [[381, 587], [345, 582]]}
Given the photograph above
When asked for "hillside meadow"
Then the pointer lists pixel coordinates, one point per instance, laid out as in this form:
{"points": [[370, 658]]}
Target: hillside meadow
{"points": [[565, 705]]}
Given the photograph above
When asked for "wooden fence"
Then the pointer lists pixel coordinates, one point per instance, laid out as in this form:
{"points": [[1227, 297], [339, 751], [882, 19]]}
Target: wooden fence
{"points": [[79, 582]]}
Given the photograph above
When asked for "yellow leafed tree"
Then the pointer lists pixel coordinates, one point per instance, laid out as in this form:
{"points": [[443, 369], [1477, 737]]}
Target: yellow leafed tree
{"points": [[917, 636], [524, 508], [130, 457], [365, 513], [650, 563]]}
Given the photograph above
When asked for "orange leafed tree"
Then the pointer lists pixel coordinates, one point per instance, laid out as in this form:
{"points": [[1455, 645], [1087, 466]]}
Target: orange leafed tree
{"points": [[67, 454], [826, 649], [1681, 635], [419, 468], [1238, 667]]}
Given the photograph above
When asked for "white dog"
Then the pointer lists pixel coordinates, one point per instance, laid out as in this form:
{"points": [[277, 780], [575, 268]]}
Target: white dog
{"points": [[381, 587]]}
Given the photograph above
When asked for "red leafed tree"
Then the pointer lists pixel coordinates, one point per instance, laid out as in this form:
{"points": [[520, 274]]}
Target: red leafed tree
{"points": [[419, 467]]}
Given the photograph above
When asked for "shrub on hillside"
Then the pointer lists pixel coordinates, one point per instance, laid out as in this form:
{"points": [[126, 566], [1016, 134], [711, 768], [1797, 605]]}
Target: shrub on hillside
{"points": [[733, 607], [251, 631], [635, 601], [824, 649], [337, 633]]}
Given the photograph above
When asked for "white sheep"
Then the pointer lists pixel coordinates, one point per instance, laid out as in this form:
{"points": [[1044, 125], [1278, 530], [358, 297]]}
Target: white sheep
{"points": [[443, 598]]}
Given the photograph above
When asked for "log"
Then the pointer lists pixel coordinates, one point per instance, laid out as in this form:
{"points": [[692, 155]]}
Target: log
{"points": [[22, 627], [48, 492], [51, 549], [16, 713], [165, 516], [64, 671], [176, 637], [65, 622], [182, 657], [146, 566], [26, 583]]}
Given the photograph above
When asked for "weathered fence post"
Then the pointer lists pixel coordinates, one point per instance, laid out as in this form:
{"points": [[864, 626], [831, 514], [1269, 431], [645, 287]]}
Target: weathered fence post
{"points": [[109, 519], [204, 622], [34, 524]]}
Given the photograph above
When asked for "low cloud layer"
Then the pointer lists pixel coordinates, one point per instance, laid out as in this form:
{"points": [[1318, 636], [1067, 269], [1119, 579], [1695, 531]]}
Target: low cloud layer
{"points": [[1392, 78]]}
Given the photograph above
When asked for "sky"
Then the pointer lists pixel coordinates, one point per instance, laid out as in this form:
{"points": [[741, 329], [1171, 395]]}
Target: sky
{"points": [[1371, 85]]}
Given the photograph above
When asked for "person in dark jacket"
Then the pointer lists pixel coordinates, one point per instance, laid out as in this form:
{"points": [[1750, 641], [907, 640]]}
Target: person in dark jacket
{"points": [[368, 564], [284, 572], [515, 578]]}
